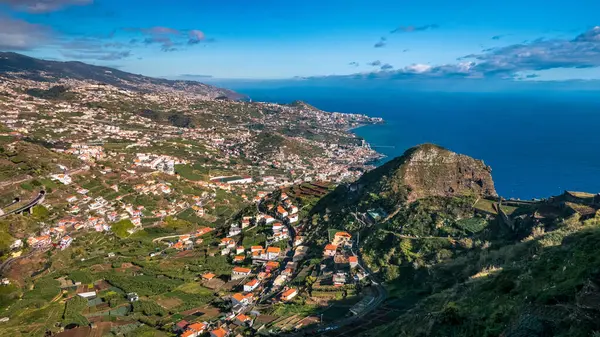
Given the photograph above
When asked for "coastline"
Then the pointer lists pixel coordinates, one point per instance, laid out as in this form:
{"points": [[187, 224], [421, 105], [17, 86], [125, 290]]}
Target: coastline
{"points": [[352, 128]]}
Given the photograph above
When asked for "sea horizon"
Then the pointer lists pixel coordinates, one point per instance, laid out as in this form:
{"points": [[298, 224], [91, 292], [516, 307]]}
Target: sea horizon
{"points": [[520, 135]]}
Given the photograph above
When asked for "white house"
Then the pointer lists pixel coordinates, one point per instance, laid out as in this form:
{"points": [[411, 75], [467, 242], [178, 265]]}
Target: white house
{"points": [[250, 286]]}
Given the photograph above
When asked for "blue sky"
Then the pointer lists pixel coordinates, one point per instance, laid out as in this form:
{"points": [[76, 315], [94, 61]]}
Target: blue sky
{"points": [[266, 39]]}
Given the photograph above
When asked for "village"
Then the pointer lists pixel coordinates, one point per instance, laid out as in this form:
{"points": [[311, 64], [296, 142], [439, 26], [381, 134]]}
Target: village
{"points": [[212, 201]]}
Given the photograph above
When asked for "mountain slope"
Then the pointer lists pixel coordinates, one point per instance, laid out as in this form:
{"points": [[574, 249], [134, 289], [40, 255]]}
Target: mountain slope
{"points": [[15, 65], [423, 171], [453, 267]]}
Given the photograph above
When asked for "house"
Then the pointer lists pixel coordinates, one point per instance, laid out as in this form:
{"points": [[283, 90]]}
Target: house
{"points": [[339, 279], [180, 326], [281, 211], [289, 294], [283, 196], [250, 286], [293, 218], [279, 280], [65, 242], [40, 241], [300, 253], [240, 272], [269, 219], [271, 265], [71, 199], [227, 242], [341, 238], [238, 298], [254, 249], [298, 240], [277, 227], [240, 250], [330, 250], [239, 259], [133, 297], [273, 253], [242, 319], [220, 332], [246, 222], [208, 276], [353, 260], [88, 295], [194, 330], [294, 210], [234, 230]]}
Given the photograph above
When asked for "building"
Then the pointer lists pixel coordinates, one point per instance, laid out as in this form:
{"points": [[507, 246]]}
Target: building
{"points": [[281, 211], [330, 250], [289, 294], [65, 242], [227, 242], [273, 253], [271, 266], [353, 260], [208, 276], [240, 272], [194, 330], [250, 286], [339, 279], [342, 238], [133, 297], [180, 326], [242, 319], [88, 295], [238, 298], [220, 332], [239, 259]]}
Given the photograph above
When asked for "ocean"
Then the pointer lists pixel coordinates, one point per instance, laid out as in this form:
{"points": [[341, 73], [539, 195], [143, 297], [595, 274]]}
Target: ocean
{"points": [[538, 143]]}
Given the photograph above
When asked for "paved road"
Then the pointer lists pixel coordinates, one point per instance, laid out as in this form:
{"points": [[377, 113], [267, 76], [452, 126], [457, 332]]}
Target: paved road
{"points": [[39, 198], [6, 264]]}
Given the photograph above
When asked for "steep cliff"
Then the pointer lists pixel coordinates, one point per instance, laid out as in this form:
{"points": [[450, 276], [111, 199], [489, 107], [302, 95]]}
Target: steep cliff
{"points": [[423, 171]]}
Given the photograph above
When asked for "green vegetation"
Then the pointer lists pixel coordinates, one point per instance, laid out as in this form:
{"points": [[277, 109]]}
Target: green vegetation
{"points": [[73, 309], [58, 92], [121, 228]]}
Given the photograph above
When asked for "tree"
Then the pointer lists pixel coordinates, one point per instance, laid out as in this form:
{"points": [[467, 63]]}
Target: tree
{"points": [[121, 228]]}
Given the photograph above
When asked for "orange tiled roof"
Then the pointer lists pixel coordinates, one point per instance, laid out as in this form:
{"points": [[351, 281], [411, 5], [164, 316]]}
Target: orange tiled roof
{"points": [[274, 250], [208, 276], [197, 327], [242, 270], [220, 332], [288, 292], [331, 247], [343, 234]]}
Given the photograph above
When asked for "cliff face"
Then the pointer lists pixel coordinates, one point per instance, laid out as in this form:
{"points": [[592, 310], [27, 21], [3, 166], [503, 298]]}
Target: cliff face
{"points": [[430, 170]]}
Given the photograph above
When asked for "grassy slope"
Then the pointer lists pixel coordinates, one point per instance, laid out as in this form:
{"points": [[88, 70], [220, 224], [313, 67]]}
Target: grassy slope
{"points": [[545, 285]]}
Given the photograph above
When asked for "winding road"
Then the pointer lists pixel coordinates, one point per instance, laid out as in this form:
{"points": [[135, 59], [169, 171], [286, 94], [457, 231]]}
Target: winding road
{"points": [[38, 199]]}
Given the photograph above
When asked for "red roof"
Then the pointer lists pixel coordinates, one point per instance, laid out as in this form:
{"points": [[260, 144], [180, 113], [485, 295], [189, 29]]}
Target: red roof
{"points": [[331, 247], [208, 276], [343, 234], [220, 332], [274, 250], [353, 259], [182, 324], [197, 327], [289, 292], [242, 270]]}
